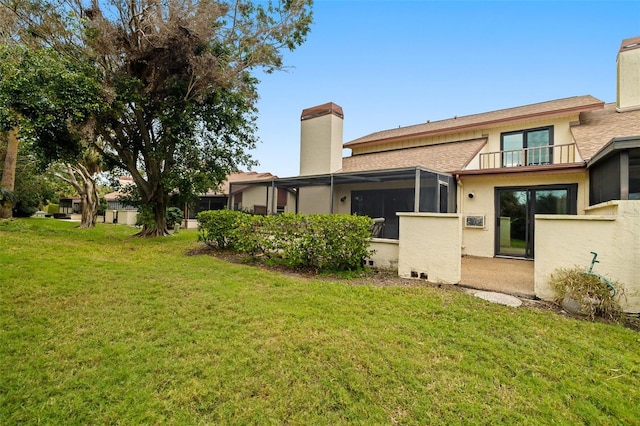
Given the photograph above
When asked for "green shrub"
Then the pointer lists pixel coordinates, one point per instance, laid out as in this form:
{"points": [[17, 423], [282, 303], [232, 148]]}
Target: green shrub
{"points": [[146, 217], [217, 228], [53, 208], [586, 294], [320, 242], [7, 196], [102, 206], [174, 215]]}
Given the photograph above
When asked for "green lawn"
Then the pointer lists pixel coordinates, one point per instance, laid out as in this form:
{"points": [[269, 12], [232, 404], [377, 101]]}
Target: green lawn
{"points": [[97, 327]]}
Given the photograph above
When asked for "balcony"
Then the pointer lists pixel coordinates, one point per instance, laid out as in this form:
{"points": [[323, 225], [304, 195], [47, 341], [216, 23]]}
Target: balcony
{"points": [[529, 157]]}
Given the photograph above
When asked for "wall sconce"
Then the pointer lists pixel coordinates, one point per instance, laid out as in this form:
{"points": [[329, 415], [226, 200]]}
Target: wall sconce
{"points": [[343, 198]]}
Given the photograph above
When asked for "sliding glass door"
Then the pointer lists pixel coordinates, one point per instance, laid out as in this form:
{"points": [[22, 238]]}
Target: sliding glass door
{"points": [[516, 209]]}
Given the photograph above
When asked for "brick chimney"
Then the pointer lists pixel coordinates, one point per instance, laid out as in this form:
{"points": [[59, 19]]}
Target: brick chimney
{"points": [[628, 61], [321, 139]]}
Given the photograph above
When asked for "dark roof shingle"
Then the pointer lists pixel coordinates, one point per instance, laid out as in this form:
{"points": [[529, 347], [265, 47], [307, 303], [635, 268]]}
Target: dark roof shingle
{"points": [[443, 157]]}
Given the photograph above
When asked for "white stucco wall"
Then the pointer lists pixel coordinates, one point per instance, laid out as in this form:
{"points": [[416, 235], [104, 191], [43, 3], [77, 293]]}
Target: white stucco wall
{"points": [[429, 247], [314, 199], [255, 196], [321, 145], [125, 217], [386, 254], [612, 230], [481, 242], [628, 82]]}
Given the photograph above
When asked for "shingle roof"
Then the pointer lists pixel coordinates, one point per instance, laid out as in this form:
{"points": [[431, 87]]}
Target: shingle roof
{"points": [[544, 109], [597, 128], [444, 157], [239, 177]]}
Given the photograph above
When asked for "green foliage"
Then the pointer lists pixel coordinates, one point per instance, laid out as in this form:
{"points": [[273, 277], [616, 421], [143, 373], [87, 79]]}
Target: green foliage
{"points": [[49, 97], [217, 228], [102, 206], [53, 209], [32, 189], [320, 242], [7, 196], [145, 217], [586, 294], [179, 102], [174, 216]]}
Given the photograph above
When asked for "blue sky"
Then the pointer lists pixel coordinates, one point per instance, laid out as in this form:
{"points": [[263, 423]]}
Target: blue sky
{"points": [[399, 63]]}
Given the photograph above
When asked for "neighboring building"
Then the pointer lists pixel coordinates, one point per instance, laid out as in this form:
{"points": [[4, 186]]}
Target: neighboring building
{"points": [[117, 211], [235, 194], [70, 205], [549, 181]]}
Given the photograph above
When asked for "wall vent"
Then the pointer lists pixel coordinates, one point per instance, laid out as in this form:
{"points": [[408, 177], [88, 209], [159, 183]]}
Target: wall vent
{"points": [[476, 221]]}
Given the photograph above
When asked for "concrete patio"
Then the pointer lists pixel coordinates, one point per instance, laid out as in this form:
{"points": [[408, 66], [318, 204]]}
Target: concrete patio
{"points": [[510, 276]]}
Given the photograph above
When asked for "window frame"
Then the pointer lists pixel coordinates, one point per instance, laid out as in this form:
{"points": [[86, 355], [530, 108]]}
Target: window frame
{"points": [[524, 160]]}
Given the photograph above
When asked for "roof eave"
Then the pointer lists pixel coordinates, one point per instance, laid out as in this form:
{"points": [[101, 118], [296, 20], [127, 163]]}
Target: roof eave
{"points": [[615, 144], [454, 129]]}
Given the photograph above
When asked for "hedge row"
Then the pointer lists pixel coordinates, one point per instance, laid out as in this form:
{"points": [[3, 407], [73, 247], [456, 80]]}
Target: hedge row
{"points": [[321, 242]]}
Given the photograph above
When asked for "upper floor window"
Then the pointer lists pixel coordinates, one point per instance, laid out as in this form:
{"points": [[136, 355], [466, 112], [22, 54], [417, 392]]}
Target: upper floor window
{"points": [[526, 147]]}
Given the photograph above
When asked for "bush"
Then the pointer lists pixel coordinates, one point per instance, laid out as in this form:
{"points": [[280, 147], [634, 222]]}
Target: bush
{"points": [[146, 217], [53, 209], [217, 228], [174, 215], [320, 242], [586, 294], [7, 196]]}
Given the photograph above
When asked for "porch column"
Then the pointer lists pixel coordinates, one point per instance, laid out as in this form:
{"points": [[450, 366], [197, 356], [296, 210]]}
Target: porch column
{"points": [[624, 175], [331, 195], [416, 194], [273, 196], [230, 197]]}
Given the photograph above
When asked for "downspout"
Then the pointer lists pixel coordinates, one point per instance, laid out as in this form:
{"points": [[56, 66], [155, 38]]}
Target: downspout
{"points": [[460, 208]]}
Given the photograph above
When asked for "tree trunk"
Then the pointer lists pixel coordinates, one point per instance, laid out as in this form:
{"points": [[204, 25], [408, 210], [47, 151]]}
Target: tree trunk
{"points": [[9, 171], [159, 210], [89, 202], [87, 191]]}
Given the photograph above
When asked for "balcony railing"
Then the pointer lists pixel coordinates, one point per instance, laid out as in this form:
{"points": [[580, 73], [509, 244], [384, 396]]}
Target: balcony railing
{"points": [[534, 156]]}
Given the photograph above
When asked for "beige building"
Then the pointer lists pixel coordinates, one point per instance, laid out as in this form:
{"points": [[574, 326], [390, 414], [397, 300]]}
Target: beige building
{"points": [[544, 184], [233, 193], [237, 193]]}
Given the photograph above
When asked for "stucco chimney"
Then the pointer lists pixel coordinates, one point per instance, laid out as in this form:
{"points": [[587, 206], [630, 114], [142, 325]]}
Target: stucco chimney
{"points": [[628, 93], [321, 139]]}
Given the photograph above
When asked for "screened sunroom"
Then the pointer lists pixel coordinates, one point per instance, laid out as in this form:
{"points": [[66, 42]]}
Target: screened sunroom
{"points": [[614, 173], [377, 194]]}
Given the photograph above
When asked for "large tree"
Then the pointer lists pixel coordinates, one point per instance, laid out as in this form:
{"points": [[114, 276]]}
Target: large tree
{"points": [[51, 101], [177, 78]]}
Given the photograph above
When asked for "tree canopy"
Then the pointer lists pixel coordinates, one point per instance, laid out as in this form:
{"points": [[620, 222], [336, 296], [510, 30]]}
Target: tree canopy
{"points": [[175, 79]]}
